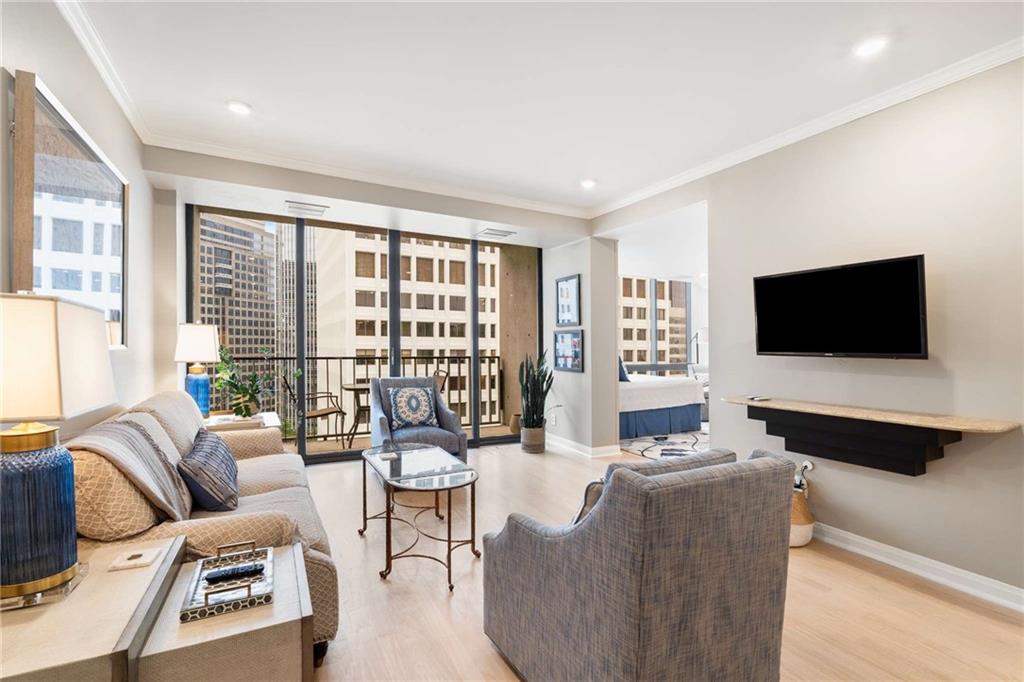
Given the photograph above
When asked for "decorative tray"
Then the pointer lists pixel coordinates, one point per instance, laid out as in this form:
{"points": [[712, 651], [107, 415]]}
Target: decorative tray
{"points": [[203, 600]]}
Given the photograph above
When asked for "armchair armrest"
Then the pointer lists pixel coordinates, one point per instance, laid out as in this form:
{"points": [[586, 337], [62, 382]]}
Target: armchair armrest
{"points": [[248, 443], [204, 536], [380, 429], [446, 418]]}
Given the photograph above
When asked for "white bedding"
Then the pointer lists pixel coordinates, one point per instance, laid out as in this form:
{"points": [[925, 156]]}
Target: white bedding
{"points": [[646, 392]]}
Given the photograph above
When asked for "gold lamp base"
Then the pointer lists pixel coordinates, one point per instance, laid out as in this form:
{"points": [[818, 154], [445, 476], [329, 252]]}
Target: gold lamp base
{"points": [[28, 436]]}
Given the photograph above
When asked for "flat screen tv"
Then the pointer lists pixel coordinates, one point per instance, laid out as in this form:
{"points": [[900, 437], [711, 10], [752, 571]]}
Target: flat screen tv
{"points": [[862, 310]]}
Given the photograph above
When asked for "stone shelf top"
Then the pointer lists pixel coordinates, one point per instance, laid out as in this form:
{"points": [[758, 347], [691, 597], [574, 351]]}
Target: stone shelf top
{"points": [[943, 422]]}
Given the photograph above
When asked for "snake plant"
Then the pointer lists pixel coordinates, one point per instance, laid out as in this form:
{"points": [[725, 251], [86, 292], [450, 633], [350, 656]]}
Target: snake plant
{"points": [[535, 381]]}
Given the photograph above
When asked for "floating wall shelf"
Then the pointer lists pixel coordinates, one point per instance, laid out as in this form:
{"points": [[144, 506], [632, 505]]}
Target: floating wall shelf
{"points": [[901, 442]]}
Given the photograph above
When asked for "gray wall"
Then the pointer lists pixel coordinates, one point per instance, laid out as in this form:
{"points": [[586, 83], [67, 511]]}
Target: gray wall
{"points": [[169, 294], [589, 412], [939, 175], [36, 38]]}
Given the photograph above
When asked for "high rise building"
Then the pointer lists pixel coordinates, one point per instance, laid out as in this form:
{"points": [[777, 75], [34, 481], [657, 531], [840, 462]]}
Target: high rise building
{"points": [[247, 287], [652, 321], [77, 251]]}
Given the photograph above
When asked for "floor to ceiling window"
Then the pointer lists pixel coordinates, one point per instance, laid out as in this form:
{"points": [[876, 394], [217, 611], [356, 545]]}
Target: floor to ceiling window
{"points": [[450, 314], [653, 325]]}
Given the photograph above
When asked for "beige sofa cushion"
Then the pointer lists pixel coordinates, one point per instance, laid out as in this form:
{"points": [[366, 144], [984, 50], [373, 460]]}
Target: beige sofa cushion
{"points": [[297, 503], [178, 414], [271, 472], [246, 443], [108, 506]]}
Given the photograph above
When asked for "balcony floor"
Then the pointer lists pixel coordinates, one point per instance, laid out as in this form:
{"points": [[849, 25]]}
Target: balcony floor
{"points": [[362, 442]]}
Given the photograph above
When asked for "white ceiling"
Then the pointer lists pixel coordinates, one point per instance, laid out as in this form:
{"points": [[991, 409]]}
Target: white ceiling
{"points": [[512, 103]]}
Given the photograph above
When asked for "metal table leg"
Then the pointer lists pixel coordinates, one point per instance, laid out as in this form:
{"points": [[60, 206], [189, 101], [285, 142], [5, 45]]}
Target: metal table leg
{"points": [[363, 529], [451, 587], [472, 519], [389, 506]]}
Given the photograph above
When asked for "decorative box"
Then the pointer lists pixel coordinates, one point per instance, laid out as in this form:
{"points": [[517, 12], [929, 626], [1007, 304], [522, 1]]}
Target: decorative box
{"points": [[203, 600]]}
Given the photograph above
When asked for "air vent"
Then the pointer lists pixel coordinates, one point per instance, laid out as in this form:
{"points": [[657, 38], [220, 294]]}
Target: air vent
{"points": [[306, 210], [494, 233]]}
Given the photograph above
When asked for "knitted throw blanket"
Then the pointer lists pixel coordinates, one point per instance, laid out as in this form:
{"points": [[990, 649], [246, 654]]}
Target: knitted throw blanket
{"points": [[128, 446]]}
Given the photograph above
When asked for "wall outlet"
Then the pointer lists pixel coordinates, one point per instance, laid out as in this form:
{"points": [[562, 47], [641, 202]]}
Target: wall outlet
{"points": [[553, 420]]}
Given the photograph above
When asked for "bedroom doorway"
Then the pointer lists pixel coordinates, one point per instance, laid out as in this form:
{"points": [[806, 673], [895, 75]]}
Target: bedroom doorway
{"points": [[663, 334]]}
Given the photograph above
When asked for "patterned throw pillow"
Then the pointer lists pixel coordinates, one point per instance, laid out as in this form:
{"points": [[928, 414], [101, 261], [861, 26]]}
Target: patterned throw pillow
{"points": [[210, 473], [412, 407]]}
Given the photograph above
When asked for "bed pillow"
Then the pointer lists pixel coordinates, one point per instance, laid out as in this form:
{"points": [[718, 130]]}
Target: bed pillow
{"points": [[623, 375], [412, 406], [210, 472]]}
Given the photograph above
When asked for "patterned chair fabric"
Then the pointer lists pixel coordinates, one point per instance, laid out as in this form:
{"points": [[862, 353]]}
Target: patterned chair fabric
{"points": [[448, 434], [652, 468], [678, 575]]}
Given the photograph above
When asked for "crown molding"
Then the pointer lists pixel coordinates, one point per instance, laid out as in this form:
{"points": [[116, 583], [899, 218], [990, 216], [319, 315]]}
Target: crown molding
{"points": [[78, 20], [965, 68], [383, 179]]}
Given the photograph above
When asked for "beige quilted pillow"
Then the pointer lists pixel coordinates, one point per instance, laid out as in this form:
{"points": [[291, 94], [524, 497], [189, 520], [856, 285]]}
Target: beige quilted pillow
{"points": [[107, 505]]}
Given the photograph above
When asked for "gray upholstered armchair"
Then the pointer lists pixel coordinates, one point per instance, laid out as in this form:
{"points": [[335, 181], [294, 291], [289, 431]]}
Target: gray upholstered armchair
{"points": [[677, 572], [448, 434]]}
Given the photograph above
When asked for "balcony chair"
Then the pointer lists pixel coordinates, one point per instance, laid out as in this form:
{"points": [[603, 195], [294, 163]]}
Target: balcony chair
{"points": [[447, 435], [676, 569], [331, 407], [441, 378]]}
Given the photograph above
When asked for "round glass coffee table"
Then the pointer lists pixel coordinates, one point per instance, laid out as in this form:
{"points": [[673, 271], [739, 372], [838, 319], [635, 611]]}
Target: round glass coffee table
{"points": [[416, 467]]}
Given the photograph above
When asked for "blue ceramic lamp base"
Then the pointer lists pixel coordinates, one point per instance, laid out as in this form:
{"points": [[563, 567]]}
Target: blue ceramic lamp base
{"points": [[197, 383], [38, 543]]}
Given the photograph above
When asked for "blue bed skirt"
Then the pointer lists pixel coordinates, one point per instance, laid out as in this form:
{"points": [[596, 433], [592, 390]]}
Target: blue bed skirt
{"points": [[659, 422]]}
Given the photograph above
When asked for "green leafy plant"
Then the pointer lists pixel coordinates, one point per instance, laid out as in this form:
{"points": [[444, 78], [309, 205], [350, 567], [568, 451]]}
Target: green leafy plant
{"points": [[535, 379], [247, 391]]}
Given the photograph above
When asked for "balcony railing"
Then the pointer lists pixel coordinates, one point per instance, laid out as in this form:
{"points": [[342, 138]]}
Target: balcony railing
{"points": [[331, 380]]}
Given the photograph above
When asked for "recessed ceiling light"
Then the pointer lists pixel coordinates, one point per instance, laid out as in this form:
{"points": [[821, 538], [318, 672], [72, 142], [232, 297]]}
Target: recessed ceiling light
{"points": [[240, 108], [871, 47], [588, 183]]}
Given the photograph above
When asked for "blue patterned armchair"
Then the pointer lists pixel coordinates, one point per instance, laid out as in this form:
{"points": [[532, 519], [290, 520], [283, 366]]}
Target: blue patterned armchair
{"points": [[447, 435]]}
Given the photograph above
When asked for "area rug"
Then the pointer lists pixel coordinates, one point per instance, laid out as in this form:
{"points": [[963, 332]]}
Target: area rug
{"points": [[692, 441]]}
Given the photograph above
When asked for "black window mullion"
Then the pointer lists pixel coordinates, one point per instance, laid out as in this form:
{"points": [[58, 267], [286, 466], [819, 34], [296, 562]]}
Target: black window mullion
{"points": [[474, 323], [300, 335]]}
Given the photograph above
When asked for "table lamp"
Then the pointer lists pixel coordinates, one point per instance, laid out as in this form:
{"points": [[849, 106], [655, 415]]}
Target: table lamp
{"points": [[197, 343], [54, 364]]}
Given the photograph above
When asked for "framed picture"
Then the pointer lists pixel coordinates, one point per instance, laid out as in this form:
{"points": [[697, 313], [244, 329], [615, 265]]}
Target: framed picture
{"points": [[567, 292], [569, 350]]}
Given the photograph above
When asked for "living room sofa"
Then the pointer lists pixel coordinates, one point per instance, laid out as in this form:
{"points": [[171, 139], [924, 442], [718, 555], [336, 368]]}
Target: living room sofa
{"points": [[275, 507]]}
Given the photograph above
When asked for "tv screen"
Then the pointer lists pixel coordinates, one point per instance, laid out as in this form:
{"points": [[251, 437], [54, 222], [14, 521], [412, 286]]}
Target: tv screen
{"points": [[874, 309]]}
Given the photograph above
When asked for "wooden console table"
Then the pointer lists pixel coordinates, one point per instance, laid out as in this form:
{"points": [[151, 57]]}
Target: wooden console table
{"points": [[891, 440]]}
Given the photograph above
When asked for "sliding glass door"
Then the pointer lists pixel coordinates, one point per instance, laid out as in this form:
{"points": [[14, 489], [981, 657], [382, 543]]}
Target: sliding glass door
{"points": [[458, 304]]}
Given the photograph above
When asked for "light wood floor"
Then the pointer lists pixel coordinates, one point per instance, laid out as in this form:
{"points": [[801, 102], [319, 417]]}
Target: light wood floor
{"points": [[846, 617]]}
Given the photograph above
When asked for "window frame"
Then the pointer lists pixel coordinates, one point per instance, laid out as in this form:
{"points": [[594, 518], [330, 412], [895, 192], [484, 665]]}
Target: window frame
{"points": [[21, 259]]}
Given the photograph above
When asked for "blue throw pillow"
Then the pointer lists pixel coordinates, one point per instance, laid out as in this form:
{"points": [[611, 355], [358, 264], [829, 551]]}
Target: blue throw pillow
{"points": [[210, 473], [412, 407], [623, 375]]}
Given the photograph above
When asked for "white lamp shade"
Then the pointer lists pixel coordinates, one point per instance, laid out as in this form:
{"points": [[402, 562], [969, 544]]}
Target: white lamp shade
{"points": [[197, 343], [55, 359]]}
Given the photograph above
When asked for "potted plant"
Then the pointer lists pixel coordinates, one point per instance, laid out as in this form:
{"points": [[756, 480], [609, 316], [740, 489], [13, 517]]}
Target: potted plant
{"points": [[535, 381], [246, 391]]}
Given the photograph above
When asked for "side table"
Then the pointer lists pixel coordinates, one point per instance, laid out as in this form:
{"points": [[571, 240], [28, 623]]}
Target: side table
{"points": [[97, 631], [271, 642]]}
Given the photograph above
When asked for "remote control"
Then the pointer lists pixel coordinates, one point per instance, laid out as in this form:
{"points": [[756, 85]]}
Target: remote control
{"points": [[233, 573], [758, 398]]}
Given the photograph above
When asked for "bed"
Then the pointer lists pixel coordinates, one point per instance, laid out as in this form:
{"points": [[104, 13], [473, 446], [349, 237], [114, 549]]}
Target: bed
{"points": [[653, 405]]}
